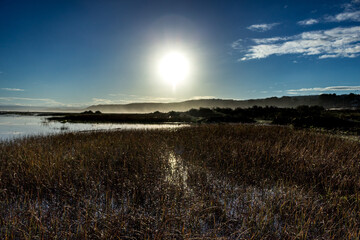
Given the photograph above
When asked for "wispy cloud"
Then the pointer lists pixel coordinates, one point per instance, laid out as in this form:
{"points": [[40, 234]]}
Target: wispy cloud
{"points": [[324, 89], [262, 27], [102, 101], [310, 21], [350, 12], [351, 6], [131, 98], [238, 44], [125, 98], [333, 43], [202, 97], [269, 40], [13, 89], [29, 101]]}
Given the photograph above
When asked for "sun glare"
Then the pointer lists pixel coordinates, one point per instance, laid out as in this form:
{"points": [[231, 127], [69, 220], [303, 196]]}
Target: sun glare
{"points": [[174, 68]]}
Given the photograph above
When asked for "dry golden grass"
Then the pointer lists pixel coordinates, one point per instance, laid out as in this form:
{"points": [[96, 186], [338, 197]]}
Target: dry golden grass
{"points": [[210, 181]]}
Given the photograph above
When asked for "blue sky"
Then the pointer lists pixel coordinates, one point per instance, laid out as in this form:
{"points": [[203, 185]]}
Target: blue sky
{"points": [[78, 53]]}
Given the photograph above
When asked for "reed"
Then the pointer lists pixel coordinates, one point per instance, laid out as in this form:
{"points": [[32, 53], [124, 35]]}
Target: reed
{"points": [[209, 181]]}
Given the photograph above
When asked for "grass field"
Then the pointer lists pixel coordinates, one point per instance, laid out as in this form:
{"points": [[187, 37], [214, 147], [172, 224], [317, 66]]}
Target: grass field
{"points": [[208, 181]]}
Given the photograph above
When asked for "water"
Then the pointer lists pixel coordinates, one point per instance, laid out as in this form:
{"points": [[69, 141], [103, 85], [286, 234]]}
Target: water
{"points": [[177, 173], [15, 126]]}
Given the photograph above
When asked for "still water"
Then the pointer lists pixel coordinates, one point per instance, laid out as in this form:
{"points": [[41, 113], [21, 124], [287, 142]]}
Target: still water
{"points": [[15, 126]]}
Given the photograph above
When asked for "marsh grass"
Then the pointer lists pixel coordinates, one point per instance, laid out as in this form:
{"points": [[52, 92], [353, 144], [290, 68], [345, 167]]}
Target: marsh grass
{"points": [[209, 181]]}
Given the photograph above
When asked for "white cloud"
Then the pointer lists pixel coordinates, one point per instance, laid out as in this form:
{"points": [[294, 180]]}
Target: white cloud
{"points": [[324, 89], [13, 89], [262, 27], [310, 21], [351, 13], [332, 43], [345, 16]]}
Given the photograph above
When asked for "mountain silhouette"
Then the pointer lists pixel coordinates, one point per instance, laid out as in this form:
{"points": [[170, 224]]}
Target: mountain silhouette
{"points": [[327, 101]]}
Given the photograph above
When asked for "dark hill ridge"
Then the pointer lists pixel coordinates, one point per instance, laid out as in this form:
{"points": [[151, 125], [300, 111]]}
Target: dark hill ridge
{"points": [[325, 100]]}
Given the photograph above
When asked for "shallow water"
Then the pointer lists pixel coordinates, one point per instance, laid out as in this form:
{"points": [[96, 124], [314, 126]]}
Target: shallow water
{"points": [[15, 126]]}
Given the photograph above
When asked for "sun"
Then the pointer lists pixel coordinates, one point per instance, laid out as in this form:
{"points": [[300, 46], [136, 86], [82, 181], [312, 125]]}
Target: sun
{"points": [[174, 68]]}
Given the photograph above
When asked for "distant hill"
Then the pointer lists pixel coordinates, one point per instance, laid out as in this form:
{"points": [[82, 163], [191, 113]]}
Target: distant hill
{"points": [[326, 100]]}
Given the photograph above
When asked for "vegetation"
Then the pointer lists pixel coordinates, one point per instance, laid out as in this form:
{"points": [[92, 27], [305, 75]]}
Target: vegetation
{"points": [[300, 117], [209, 181], [98, 117]]}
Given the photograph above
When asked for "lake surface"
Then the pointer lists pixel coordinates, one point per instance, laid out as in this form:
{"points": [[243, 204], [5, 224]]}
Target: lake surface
{"points": [[15, 126]]}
